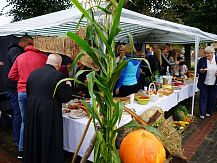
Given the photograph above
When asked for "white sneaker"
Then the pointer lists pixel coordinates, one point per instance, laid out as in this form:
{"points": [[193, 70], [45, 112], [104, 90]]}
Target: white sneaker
{"points": [[208, 115], [202, 117]]}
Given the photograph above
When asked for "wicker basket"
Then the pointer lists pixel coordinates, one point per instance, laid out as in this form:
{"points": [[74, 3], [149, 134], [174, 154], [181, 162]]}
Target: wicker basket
{"points": [[153, 97]]}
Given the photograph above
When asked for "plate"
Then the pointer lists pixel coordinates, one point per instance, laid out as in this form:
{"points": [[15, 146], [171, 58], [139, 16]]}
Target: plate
{"points": [[77, 114]]}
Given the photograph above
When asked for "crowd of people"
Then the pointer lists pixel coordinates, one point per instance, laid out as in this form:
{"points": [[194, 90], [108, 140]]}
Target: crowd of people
{"points": [[137, 73], [37, 114]]}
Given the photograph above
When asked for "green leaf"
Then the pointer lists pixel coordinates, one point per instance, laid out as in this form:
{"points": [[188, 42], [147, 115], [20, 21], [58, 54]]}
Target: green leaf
{"points": [[82, 17], [107, 94], [115, 157], [99, 140], [121, 108], [85, 46], [132, 124], [118, 110], [153, 131], [64, 80], [146, 61], [81, 72], [116, 74], [80, 7], [85, 13], [116, 22], [131, 42], [104, 10], [77, 58]]}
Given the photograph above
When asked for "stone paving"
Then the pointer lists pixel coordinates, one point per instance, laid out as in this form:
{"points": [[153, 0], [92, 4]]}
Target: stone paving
{"points": [[200, 142]]}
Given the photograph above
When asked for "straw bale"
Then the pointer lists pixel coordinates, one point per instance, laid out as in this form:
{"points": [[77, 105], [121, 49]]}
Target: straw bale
{"points": [[64, 45], [57, 44]]}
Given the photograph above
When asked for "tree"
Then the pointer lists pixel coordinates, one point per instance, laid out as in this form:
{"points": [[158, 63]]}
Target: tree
{"points": [[24, 9], [201, 13], [156, 8]]}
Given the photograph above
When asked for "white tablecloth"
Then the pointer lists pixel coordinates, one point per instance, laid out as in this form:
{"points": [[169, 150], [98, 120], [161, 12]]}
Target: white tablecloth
{"points": [[73, 128]]}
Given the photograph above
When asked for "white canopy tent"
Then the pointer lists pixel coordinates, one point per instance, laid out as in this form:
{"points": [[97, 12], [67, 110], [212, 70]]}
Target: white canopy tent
{"points": [[142, 28]]}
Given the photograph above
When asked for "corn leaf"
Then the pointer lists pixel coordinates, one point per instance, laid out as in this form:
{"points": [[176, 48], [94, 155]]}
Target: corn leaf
{"points": [[82, 17], [104, 10], [116, 22], [85, 13], [81, 72], [118, 110], [116, 74], [64, 80], [132, 47], [115, 157], [78, 57], [85, 46], [99, 139]]}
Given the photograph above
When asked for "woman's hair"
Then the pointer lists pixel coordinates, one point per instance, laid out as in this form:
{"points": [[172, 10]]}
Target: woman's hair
{"points": [[158, 55], [120, 47], [209, 49], [174, 54]]}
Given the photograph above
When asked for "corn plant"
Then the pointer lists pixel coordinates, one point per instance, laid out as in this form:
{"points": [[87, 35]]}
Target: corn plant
{"points": [[100, 46]]}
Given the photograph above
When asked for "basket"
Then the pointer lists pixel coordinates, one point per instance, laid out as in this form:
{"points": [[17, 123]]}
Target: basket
{"points": [[153, 97], [168, 92]]}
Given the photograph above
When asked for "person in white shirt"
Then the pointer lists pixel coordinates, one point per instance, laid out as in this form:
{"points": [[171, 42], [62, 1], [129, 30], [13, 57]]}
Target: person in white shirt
{"points": [[120, 52], [207, 83]]}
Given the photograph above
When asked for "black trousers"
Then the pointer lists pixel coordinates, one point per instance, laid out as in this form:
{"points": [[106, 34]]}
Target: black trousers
{"points": [[126, 90]]}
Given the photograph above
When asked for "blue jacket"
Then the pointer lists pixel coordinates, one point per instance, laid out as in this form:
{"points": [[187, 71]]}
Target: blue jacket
{"points": [[202, 76], [132, 78]]}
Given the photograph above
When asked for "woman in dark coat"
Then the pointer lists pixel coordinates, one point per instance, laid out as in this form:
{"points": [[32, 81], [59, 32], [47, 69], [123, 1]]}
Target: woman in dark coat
{"points": [[43, 141], [207, 83]]}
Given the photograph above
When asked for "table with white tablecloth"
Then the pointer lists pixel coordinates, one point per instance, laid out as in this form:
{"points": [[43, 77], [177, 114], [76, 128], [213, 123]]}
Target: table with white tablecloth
{"points": [[73, 128]]}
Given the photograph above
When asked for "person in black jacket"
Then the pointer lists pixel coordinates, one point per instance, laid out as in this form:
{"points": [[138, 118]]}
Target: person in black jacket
{"points": [[11, 86], [207, 82], [43, 135]]}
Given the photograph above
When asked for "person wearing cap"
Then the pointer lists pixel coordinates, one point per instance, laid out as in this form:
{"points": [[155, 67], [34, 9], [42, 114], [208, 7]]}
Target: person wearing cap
{"points": [[207, 83]]}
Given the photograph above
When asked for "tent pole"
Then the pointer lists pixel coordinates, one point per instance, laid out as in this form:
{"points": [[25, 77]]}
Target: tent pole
{"points": [[196, 50]]}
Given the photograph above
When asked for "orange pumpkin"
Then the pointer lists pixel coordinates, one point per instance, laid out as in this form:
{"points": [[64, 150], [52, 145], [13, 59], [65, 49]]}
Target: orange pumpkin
{"points": [[141, 146]]}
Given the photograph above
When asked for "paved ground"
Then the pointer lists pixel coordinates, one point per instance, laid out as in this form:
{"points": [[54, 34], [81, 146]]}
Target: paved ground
{"points": [[199, 142]]}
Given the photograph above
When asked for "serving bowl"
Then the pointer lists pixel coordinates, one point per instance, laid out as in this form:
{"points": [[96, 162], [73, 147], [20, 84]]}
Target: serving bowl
{"points": [[143, 100]]}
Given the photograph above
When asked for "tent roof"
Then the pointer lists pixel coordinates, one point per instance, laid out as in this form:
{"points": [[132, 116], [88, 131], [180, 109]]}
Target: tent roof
{"points": [[142, 27]]}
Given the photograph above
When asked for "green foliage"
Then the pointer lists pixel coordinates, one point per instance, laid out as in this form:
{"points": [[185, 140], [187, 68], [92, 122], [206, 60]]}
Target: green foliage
{"points": [[99, 45], [182, 108], [200, 13], [24, 9]]}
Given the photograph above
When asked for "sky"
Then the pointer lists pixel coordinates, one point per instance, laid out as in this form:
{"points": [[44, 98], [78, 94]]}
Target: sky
{"points": [[4, 19]]}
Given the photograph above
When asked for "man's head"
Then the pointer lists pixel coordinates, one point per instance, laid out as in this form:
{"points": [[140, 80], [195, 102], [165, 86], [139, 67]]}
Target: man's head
{"points": [[54, 60], [25, 41], [209, 51]]}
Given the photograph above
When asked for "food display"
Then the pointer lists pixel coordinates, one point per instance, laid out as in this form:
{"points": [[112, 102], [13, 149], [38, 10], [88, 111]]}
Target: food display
{"points": [[125, 100], [143, 100], [74, 109], [166, 91]]}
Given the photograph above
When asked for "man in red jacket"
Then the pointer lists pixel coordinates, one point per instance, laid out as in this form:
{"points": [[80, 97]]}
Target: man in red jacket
{"points": [[14, 50], [24, 64]]}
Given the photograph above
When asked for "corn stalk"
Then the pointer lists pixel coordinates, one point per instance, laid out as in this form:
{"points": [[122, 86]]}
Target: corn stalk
{"points": [[99, 45]]}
